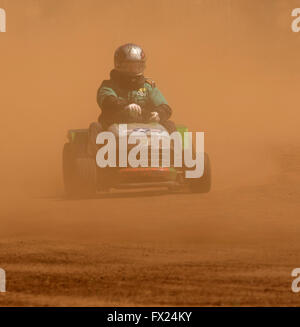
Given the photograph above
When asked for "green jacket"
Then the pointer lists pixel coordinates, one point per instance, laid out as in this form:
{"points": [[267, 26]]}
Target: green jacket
{"points": [[113, 96], [146, 95]]}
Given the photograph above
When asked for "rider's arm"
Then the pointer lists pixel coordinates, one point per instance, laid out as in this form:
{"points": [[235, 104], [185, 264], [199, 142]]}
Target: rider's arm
{"points": [[159, 104], [108, 99]]}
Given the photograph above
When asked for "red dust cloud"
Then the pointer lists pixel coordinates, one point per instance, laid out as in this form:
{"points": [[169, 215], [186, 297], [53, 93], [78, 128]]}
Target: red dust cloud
{"points": [[229, 68]]}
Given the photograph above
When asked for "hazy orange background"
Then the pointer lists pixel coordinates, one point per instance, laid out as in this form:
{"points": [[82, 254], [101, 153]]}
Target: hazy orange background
{"points": [[229, 68]]}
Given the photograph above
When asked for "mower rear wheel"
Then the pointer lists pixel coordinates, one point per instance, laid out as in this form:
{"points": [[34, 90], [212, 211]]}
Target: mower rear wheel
{"points": [[86, 176], [79, 172], [202, 184]]}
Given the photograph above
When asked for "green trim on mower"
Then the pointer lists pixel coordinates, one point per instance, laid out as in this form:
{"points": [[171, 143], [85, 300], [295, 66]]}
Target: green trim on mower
{"points": [[75, 135], [183, 129]]}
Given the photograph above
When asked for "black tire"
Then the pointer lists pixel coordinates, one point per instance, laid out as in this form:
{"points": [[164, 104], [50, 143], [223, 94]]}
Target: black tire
{"points": [[79, 172], [202, 184], [86, 176]]}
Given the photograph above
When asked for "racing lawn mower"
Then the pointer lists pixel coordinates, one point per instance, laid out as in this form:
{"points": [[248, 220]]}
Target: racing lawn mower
{"points": [[83, 177]]}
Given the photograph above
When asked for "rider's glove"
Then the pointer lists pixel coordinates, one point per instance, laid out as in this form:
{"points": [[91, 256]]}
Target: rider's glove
{"points": [[134, 110], [154, 117]]}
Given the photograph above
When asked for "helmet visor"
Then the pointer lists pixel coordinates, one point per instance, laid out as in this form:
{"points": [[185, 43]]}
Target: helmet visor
{"points": [[132, 67]]}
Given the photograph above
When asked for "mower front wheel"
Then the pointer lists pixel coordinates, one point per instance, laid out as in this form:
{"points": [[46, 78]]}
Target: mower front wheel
{"points": [[79, 172], [202, 184]]}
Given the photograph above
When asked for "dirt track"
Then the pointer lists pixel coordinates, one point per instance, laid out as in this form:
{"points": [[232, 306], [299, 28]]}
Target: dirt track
{"points": [[226, 248], [229, 68]]}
